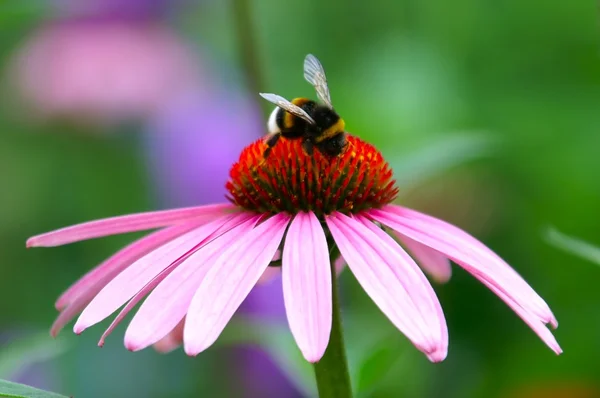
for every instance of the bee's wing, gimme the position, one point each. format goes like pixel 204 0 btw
pixel 315 75
pixel 288 106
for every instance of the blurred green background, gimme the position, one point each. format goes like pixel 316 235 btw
pixel 488 111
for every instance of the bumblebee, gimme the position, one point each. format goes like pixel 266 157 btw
pixel 317 124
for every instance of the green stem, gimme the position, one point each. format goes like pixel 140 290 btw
pixel 333 379
pixel 246 41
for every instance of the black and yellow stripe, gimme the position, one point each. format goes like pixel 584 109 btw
pixel 332 131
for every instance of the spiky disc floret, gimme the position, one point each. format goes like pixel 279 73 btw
pixel 289 180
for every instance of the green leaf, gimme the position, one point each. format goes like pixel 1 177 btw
pixel 20 353
pixel 16 390
pixel 573 245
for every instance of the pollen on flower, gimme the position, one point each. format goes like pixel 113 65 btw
pixel 290 180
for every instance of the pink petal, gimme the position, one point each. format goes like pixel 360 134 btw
pixel 172 340
pixel 228 283
pixel 132 279
pixel 306 280
pixel 412 271
pixel 277 255
pixel 432 262
pixel 339 264
pixel 467 252
pixel 169 302
pixel 80 294
pixel 128 223
pixel 393 281
pixel 98 277
pixel 158 331
pixel 531 320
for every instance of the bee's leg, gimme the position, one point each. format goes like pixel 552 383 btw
pixel 271 142
pixel 308 146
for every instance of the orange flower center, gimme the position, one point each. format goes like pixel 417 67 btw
pixel 289 180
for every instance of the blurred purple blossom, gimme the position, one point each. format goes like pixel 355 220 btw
pixel 193 141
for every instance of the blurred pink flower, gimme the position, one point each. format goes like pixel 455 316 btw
pixel 208 258
pixel 103 69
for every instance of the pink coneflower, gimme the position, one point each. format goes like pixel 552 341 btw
pixel 199 267
pixel 102 69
